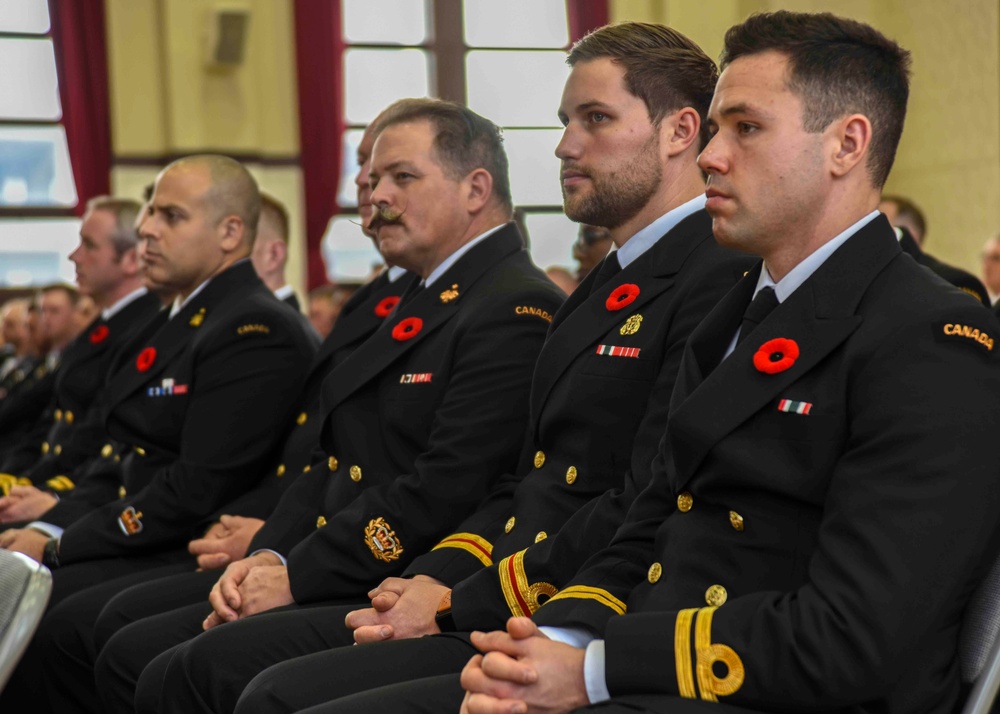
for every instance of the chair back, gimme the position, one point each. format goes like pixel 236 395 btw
pixel 24 592
pixel 979 646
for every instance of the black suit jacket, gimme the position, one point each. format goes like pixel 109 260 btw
pixel 956 276
pixel 77 434
pixel 417 429
pixel 596 422
pixel 814 533
pixel 23 419
pixel 359 318
pixel 201 404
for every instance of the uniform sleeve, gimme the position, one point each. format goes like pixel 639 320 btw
pixel 909 521
pixel 238 407
pixel 475 437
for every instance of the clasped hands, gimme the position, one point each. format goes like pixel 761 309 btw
pixel 520 672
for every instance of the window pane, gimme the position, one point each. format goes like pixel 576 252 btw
pixel 348 253
pixel 374 79
pixel 489 23
pixel 402 22
pixel 516 88
pixel 28 88
pixel 347 195
pixel 51 241
pixel 24 16
pixel 34 167
pixel 552 236
pixel 534 168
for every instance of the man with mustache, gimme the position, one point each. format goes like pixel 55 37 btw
pixel 421 419
pixel 811 534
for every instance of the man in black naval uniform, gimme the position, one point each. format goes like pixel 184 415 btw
pixel 108 271
pixel 222 357
pixel 813 532
pixel 598 412
pixel 71 638
pixel 420 420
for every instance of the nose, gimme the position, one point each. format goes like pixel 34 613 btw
pixel 569 145
pixel 73 257
pixel 381 194
pixel 711 160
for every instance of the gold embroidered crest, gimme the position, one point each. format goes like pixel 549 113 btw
pixel 382 540
pixel 631 325
pixel 449 294
pixel 197 318
pixel 130 521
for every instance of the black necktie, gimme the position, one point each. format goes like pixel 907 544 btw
pixel 609 269
pixel 758 309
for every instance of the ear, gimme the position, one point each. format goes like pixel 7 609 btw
pixel 679 131
pixel 478 189
pixel 233 233
pixel 851 137
pixel 130 262
pixel 277 253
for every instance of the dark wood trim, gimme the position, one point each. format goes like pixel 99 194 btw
pixel 37 212
pixel 448 57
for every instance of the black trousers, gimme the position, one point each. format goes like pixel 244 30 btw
pixel 420 676
pixel 208 673
pixel 55 674
pixel 124 651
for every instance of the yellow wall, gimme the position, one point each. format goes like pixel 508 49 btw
pixel 949 157
pixel 166 101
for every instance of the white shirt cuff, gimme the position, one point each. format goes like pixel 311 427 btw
pixel 573 636
pixel 593 673
pixel 47 528
pixel 283 559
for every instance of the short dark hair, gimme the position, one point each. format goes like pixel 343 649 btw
pixel 837 67
pixel 908 209
pixel 464 140
pixel 72 294
pixel 664 68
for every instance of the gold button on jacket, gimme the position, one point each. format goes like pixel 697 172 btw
pixel 320 522
pixel 655 571
pixel 510 525
pixel 684 502
pixel 571 475
pixel 539 459
pixel 736 520
pixel 355 473
pixel 716 595
pixel 332 463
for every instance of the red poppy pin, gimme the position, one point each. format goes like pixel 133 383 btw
pixel 386 305
pixel 145 359
pixel 622 296
pixel 99 334
pixel 776 355
pixel 407 329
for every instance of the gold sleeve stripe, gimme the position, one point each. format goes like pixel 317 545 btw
pixel 481 548
pixel 711 686
pixel 60 483
pixel 523 598
pixel 682 653
pixel 585 592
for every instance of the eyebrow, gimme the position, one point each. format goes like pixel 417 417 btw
pixel 401 163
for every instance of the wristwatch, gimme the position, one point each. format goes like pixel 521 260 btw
pixel 443 618
pixel 50 556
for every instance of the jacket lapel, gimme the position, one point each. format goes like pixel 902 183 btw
pixel 175 335
pixel 818 316
pixel 579 326
pixel 433 306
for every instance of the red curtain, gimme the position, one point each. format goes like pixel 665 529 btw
pixel 78 37
pixel 584 16
pixel 319 50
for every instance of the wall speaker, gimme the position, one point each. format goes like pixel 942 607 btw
pixel 227 32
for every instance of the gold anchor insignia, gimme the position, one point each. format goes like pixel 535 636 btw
pixel 197 318
pixel 450 294
pixel 631 325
